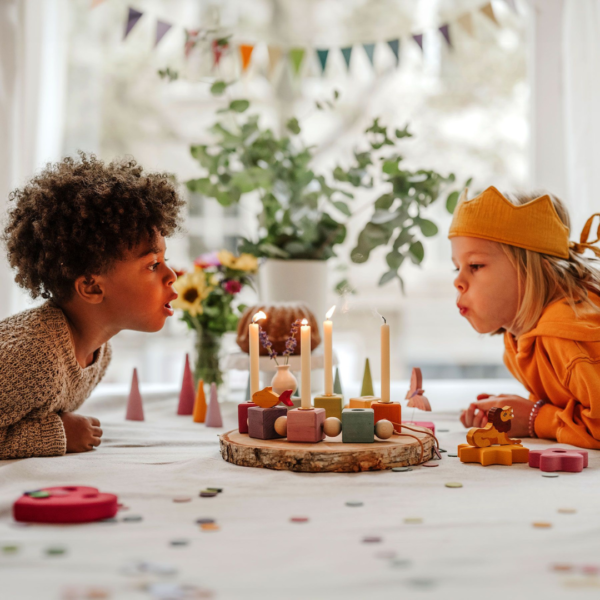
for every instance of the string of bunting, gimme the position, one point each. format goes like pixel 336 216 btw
pixel 296 55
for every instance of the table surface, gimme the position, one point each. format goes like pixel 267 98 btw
pixel 474 541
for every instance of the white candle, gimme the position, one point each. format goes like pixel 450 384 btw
pixel 254 353
pixel 305 398
pixel 385 362
pixel 328 332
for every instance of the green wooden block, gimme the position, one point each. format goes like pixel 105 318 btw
pixel 367 384
pixel 358 425
pixel 333 405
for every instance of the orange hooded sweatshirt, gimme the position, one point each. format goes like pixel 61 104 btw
pixel 559 361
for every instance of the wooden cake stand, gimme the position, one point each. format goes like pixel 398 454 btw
pixel 328 456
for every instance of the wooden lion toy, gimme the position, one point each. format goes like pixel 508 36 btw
pixel 496 430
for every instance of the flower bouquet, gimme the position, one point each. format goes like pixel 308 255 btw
pixel 207 301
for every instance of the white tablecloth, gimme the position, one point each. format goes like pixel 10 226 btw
pixel 477 541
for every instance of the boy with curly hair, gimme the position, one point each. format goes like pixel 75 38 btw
pixel 88 237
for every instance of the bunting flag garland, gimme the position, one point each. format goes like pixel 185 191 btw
pixel 218 49
pixel 347 54
pixel 322 55
pixel 245 53
pixel 296 58
pixel 466 22
pixel 275 53
pixel 191 39
pixel 395 47
pixel 370 50
pixel 445 31
pixel 132 18
pixel 419 39
pixel 488 11
pixel 161 28
pixel 513 5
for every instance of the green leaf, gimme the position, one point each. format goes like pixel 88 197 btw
pixel 416 252
pixel 386 277
pixel 296 249
pixel 342 207
pixel 383 216
pixel 402 133
pixel 451 202
pixel 336 94
pixel 239 106
pixel 293 126
pixel 390 167
pixel 384 202
pixel 218 88
pixel 394 260
pixel 428 228
pixel 201 186
pixel 272 251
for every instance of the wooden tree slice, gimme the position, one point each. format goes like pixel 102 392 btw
pixel 329 456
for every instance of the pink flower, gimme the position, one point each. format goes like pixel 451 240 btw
pixel 209 259
pixel 232 287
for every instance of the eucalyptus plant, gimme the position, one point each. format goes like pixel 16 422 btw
pixel 304 212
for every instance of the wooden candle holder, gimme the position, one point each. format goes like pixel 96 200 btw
pixel 363 401
pixel 358 426
pixel 305 425
pixel 390 411
pixel 261 421
pixel 333 405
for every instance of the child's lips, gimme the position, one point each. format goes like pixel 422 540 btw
pixel 462 309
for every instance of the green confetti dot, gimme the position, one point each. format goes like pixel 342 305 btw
pixel 401 469
pixel 354 503
pixel 453 484
pixel 56 551
pixel 10 549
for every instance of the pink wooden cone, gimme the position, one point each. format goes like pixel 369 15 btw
pixel 135 407
pixel 187 396
pixel 213 414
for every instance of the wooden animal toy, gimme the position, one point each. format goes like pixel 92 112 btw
pixel 267 398
pixel 558 459
pixel 496 430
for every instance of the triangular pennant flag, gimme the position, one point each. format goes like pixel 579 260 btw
pixel 132 18
pixel 323 54
pixel 445 31
pixel 246 53
pixel 275 53
pixel 296 58
pixel 367 384
pixel 186 395
pixel 370 50
pixel 213 414
pixel 161 28
pixel 218 50
pixel 191 39
pixel 96 3
pixel 337 384
pixel 419 39
pixel 466 22
pixel 200 404
pixel 135 406
pixel 488 11
pixel 347 54
pixel 395 47
pixel 513 5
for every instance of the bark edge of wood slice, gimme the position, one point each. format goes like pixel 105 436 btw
pixel 328 456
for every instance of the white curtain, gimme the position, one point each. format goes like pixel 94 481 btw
pixel 33 67
pixel 581 72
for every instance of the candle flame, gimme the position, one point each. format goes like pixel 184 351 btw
pixel 330 312
pixel 259 316
pixel 304 322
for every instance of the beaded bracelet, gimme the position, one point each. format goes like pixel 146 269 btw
pixel 533 415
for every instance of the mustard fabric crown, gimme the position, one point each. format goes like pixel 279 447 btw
pixel 534 226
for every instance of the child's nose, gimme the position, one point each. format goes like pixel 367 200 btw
pixel 171 276
pixel 459 283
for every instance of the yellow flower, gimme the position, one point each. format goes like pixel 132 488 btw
pixel 192 290
pixel 243 262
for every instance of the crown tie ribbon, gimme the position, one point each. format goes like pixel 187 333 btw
pixel 583 244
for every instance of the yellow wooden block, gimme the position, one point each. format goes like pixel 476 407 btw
pixel 363 402
pixel 493 455
pixel 332 405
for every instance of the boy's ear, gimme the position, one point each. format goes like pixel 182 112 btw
pixel 90 288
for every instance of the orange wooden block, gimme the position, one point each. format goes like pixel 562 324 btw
pixel 493 455
pixel 362 402
pixel 390 411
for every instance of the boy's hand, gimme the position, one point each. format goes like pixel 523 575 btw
pixel 476 414
pixel 83 433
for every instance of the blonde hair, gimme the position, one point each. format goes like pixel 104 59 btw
pixel 543 279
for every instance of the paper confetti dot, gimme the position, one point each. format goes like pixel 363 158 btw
pixel 549 474
pixel 386 554
pixel 452 455
pixel 207 494
pixel 422 582
pixel 371 539
pixel 567 511
pixel 299 519
pixel 453 484
pixel 209 527
pixel 39 494
pixel 542 524
pixel 354 503
pixel 55 551
pixel 182 499
pixel 429 464
pixel 400 562
pixel 442 450
pixel 590 569
pixel 443 430
pixel 180 542
pixel 205 521
pixel 401 469
pixel 133 518
pixel 213 489
pixel 110 520
pixel 10 549
pixel 562 567
pixel 413 520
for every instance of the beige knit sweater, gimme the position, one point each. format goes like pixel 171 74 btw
pixel 39 379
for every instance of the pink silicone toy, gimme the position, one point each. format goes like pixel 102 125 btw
pixel 426 424
pixel 135 407
pixel 187 396
pixel 558 459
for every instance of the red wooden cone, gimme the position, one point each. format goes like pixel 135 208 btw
pixel 135 407
pixel 213 414
pixel 187 395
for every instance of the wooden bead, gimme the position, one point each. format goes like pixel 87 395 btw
pixel 384 429
pixel 281 426
pixel 332 427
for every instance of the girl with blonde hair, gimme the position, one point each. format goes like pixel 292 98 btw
pixel 518 274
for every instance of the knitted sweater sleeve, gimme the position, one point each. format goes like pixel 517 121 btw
pixel 30 385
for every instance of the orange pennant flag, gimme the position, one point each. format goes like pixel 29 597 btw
pixel 246 53
pixel 488 11
pixel 466 22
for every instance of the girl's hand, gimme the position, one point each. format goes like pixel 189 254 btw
pixel 476 414
pixel 83 433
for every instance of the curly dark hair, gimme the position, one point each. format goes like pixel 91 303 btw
pixel 78 216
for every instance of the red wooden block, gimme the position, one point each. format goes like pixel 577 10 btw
pixel 305 425
pixel 66 504
pixel 243 408
pixel 427 424
pixel 391 411
pixel 558 459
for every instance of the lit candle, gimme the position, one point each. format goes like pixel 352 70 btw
pixel 328 331
pixel 254 353
pixel 305 402
pixel 385 361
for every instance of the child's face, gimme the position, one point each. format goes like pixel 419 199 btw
pixel 486 282
pixel 137 290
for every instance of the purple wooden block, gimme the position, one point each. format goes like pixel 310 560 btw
pixel 261 421
pixel 558 459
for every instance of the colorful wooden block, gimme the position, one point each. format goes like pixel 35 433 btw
pixel 333 405
pixel 363 401
pixel 358 426
pixel 305 425
pixel 243 416
pixel 390 411
pixel 558 459
pixel 426 424
pixel 261 422
pixel 493 455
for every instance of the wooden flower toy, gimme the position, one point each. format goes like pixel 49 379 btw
pixel 267 398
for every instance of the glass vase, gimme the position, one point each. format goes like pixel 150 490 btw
pixel 207 363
